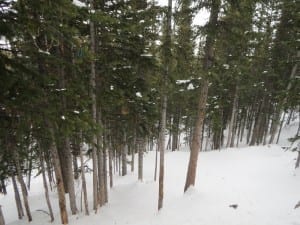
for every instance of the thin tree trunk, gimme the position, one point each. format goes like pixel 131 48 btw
pixel 155 166
pixel 175 131
pixel 232 120
pixel 280 128
pixel 49 169
pixel 86 206
pixel 94 109
pixel 124 153
pixel 275 124
pixel 3 187
pixel 59 179
pixel 289 117
pixel 29 170
pixel 75 166
pixel 110 166
pixel 70 177
pixel 46 187
pixel 105 175
pixel 298 160
pixel 17 198
pixel 161 146
pixel 133 149
pixel 140 158
pixel 207 64
pixel 161 138
pixel 22 184
pixel 2 221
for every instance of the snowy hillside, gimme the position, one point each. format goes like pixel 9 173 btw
pixel 260 181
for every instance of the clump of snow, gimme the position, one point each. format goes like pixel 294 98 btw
pixel 190 86
pixel 138 94
pixel 182 81
pixel 79 3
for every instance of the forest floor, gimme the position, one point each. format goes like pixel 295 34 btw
pixel 237 186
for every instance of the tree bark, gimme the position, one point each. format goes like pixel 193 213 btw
pixel 94 108
pixel 46 187
pixel 86 206
pixel 161 138
pixel 207 64
pixel 2 221
pixel 161 147
pixel 124 153
pixel 17 198
pixel 22 184
pixel 110 166
pixel 58 175
pixel 70 177
pixel 232 120
pixel 140 158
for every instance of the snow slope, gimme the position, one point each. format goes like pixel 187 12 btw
pixel 260 180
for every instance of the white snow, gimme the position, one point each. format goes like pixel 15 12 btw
pixel 182 81
pixel 260 180
pixel 138 94
pixel 79 3
pixel 190 86
pixel 44 52
pixel 226 66
pixel 146 55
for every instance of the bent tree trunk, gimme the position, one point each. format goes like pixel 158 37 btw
pixel 207 64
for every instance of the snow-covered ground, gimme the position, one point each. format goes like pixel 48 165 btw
pixel 261 181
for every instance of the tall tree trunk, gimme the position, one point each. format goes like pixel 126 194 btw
pixel 105 175
pixel 70 176
pixel 207 64
pixel 280 127
pixel 17 198
pixel 133 150
pixel 94 108
pixel 22 183
pixel 175 131
pixel 140 143
pixel 75 166
pixel 298 160
pixel 161 138
pixel 124 154
pixel 161 147
pixel 58 175
pixel 49 169
pixel 2 221
pixel 86 206
pixel 275 124
pixel 46 187
pixel 232 119
pixel 29 170
pixel 155 165
pixel 110 166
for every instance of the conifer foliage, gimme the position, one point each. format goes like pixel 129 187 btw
pixel 105 80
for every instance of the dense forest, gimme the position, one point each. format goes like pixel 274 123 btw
pixel 107 79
